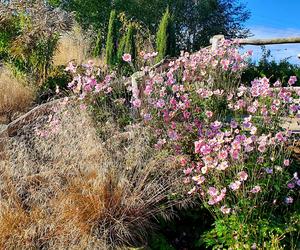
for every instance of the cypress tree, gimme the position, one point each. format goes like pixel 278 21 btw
pixel 111 41
pixel 121 48
pixel 165 38
pixel 129 47
pixel 127 44
pixel 98 45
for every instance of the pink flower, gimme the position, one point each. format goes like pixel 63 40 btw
pixel 160 103
pixel 173 135
pixel 262 148
pixel 137 103
pixel 286 162
pixel 235 185
pixel 205 149
pixel 213 191
pixel 289 200
pixel 292 80
pixel 209 114
pixel 183 162
pixel 223 154
pixel 71 67
pixel 188 171
pixel 291 185
pixel 83 107
pixel 242 176
pixel 225 64
pixel 225 210
pixel 148 90
pixel 147 117
pixel 235 154
pixel 280 137
pixel 223 165
pixel 277 84
pixel 126 58
pixel 233 124
pixel 198 145
pixel 255 190
pixel 108 90
pixel 198 179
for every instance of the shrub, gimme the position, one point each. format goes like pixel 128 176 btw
pixel 228 137
pixel 55 84
pixel 27 41
pixel 267 66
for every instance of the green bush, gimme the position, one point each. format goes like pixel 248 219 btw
pixel 28 40
pixel 57 78
pixel 267 66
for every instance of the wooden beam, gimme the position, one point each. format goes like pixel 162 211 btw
pixel 215 40
pixel 269 41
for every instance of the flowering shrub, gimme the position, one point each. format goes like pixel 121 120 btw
pixel 231 139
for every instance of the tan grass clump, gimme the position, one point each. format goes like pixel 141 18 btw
pixel 15 96
pixel 69 190
pixel 74 45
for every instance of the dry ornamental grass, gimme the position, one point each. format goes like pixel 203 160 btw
pixel 66 189
pixel 15 96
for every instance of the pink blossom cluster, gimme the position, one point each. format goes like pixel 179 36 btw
pixel 53 124
pixel 229 133
pixel 88 79
pixel 264 100
pixel 182 105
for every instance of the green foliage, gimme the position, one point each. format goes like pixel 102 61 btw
pixel 121 49
pixel 111 41
pixel 55 3
pixel 129 46
pixel 267 66
pixel 98 46
pixel 29 34
pixel 195 21
pixel 57 77
pixel 232 232
pixel 165 38
pixel 159 242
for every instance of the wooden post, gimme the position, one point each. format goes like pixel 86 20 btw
pixel 215 41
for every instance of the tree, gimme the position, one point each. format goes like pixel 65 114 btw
pixel 111 41
pixel 195 21
pixel 129 47
pixel 98 46
pixel 165 38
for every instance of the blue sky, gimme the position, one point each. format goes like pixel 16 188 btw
pixel 275 18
